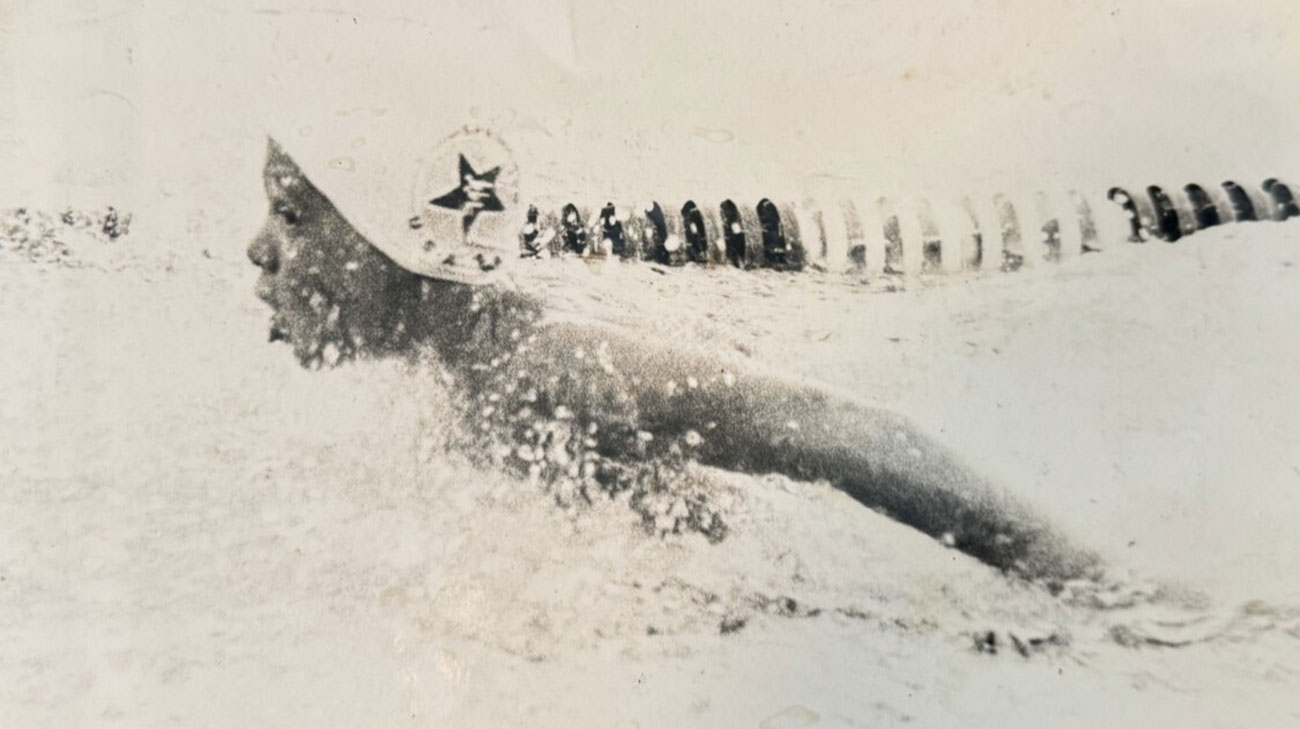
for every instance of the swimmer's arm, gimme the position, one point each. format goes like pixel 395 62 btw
pixel 757 424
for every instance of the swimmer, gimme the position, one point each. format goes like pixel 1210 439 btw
pixel 620 401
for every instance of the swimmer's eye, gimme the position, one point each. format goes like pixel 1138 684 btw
pixel 288 213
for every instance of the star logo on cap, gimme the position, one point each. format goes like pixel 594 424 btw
pixel 464 202
pixel 475 194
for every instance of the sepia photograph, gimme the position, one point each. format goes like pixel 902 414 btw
pixel 596 363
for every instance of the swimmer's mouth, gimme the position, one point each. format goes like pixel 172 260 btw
pixel 276 329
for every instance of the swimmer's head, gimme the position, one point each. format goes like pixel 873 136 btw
pixel 334 296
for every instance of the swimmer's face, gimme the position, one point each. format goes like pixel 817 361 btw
pixel 333 295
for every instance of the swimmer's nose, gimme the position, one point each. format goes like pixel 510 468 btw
pixel 263 253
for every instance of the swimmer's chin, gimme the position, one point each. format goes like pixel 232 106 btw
pixel 312 352
pixel 317 356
